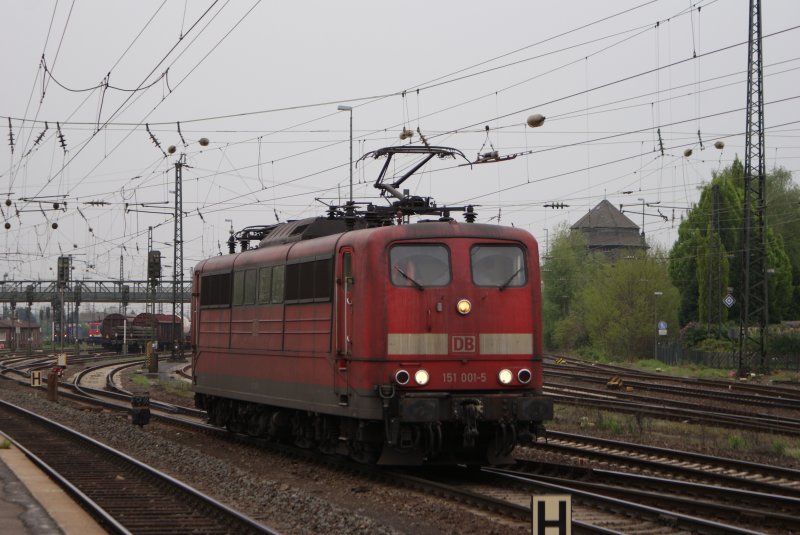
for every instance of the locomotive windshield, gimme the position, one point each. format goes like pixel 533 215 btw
pixel 498 265
pixel 420 265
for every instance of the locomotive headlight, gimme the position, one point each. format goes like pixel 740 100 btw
pixel 421 377
pixel 401 377
pixel 464 307
pixel 505 376
pixel 524 376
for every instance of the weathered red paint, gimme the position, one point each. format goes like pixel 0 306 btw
pixel 309 355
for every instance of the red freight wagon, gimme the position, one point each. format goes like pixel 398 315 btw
pixel 158 328
pixel 113 328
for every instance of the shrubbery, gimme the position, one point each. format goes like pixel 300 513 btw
pixel 784 344
pixel 698 336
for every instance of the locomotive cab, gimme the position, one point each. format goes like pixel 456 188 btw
pixel 462 356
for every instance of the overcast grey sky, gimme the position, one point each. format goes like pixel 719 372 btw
pixel 262 81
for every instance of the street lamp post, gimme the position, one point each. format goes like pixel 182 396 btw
pixel 640 199
pixel 342 107
pixel 655 323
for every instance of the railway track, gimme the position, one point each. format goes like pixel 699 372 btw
pixel 733 500
pixel 663 410
pixel 23 365
pixel 113 391
pixel 109 389
pixel 615 515
pixel 689 389
pixel 594 372
pixel 722 471
pixel 594 517
pixel 600 510
pixel 613 505
pixel 119 491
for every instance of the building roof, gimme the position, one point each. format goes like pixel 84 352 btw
pixel 606 227
pixel 604 215
pixel 8 324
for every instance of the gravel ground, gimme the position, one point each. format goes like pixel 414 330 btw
pixel 290 496
pixel 297 498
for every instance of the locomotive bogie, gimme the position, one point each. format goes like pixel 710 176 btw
pixel 468 431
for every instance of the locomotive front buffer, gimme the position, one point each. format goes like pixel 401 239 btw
pixel 442 427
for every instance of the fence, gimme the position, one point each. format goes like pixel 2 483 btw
pixel 674 355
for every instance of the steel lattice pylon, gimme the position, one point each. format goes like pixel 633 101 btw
pixel 754 311
pixel 177 269
pixel 150 306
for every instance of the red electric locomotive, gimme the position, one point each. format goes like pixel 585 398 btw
pixel 392 343
pixel 93 333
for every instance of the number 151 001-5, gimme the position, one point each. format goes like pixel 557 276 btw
pixel 464 377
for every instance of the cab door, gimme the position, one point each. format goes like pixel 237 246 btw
pixel 344 324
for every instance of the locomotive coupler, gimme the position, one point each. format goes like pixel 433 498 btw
pixel 386 392
pixel 473 410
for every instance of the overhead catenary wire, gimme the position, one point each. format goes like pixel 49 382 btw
pixel 327 170
pixel 233 168
pixel 301 153
pixel 423 86
pixel 121 106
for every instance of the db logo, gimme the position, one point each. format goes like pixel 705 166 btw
pixel 463 344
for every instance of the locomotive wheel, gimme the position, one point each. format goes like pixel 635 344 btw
pixel 303 431
pixel 259 424
pixel 499 448
pixel 363 452
pixel 328 431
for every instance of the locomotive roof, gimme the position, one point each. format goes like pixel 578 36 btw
pixel 451 229
pixel 297 236
pixel 304 229
pixel 307 229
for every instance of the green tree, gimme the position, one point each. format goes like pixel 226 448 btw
pixel 783 216
pixel 682 270
pixel 691 262
pixel 610 306
pixel 712 279
pixel 779 276
pixel 625 302
pixel 567 267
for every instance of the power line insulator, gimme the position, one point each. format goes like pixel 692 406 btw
pixel 470 215
pixel 535 120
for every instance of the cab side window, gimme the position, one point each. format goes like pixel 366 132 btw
pixel 244 287
pixel 215 290
pixel 264 285
pixel 309 280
